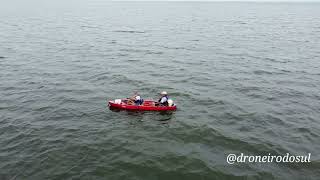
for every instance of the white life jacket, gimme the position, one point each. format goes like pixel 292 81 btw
pixel 117 101
pixel 170 102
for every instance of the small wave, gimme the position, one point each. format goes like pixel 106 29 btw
pixel 129 31
pixel 141 51
pixel 276 60
pixel 176 48
pixel 154 52
pixel 239 22
pixel 274 120
pixel 99 76
pixel 133 60
pixel 156 74
pixel 285 71
pixel 180 94
pixel 261 72
pixel 130 50
pixel 89 27
pixel 246 89
pixel 122 54
pixel 118 79
pixel 210 101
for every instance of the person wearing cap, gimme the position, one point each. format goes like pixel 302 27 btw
pixel 164 98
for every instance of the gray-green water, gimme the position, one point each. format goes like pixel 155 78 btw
pixel 245 76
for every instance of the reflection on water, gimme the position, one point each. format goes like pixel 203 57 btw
pixel 163 116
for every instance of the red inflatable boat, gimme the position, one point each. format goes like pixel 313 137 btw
pixel 148 105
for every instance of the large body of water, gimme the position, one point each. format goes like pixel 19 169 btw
pixel 245 76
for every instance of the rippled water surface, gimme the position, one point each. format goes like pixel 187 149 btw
pixel 245 76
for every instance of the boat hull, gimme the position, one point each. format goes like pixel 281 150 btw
pixel 146 106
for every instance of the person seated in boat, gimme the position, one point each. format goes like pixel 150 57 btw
pixel 135 99
pixel 163 99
